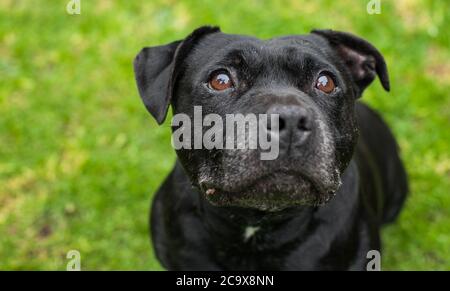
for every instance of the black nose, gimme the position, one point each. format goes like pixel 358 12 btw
pixel 294 123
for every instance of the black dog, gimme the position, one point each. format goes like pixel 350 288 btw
pixel 244 213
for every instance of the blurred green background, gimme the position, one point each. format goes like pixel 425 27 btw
pixel 80 157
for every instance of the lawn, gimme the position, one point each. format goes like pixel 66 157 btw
pixel 80 157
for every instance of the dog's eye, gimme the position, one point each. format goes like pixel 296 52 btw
pixel 325 83
pixel 220 81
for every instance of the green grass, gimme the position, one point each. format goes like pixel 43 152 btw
pixel 80 157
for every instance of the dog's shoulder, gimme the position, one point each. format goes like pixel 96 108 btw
pixel 384 179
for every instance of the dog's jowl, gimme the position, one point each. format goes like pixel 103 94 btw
pixel 337 176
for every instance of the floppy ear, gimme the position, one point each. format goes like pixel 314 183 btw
pixel 156 69
pixel 362 59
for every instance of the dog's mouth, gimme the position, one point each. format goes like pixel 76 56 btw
pixel 271 192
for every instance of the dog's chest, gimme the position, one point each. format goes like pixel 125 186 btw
pixel 252 248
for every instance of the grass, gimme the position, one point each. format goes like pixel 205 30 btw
pixel 80 157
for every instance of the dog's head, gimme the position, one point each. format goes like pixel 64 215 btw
pixel 311 82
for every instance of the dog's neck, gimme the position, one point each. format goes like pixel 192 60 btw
pixel 241 224
pixel 234 224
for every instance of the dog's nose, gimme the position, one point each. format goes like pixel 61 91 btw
pixel 294 123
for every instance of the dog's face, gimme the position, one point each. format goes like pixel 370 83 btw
pixel 311 82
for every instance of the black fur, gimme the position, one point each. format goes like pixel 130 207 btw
pixel 350 154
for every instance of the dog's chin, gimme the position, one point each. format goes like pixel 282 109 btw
pixel 273 192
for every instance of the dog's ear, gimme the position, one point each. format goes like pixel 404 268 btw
pixel 156 69
pixel 362 59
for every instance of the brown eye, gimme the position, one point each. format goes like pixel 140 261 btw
pixel 220 81
pixel 325 83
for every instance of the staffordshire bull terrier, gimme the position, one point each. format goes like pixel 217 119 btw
pixel 336 180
